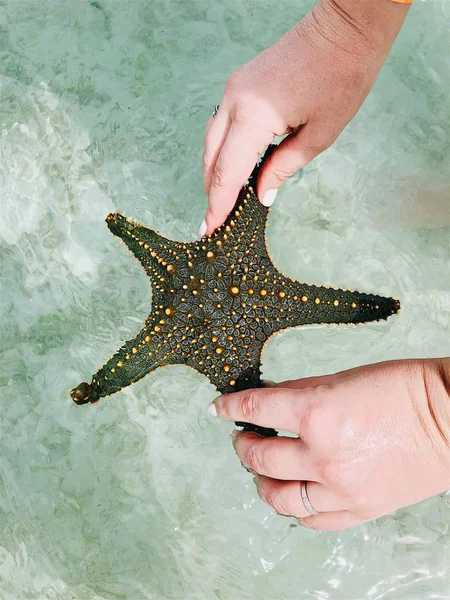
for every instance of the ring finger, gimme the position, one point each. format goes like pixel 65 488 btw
pixel 285 497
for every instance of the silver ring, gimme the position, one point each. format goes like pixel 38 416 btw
pixel 306 503
pixel 216 110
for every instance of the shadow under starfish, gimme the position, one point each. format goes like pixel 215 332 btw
pixel 217 301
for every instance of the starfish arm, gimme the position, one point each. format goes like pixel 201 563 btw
pixel 302 304
pixel 247 378
pixel 233 375
pixel 158 255
pixel 135 359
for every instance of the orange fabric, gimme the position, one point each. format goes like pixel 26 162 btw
pixel 403 1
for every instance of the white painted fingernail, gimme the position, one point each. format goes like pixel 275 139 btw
pixel 212 409
pixel 269 198
pixel 202 229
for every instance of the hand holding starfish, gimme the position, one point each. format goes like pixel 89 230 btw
pixel 309 84
pixel 370 440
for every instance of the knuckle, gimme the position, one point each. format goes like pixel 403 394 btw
pixel 213 212
pixel 255 459
pixel 219 177
pixel 206 161
pixel 261 457
pixel 233 83
pixel 310 523
pixel 332 470
pixel 316 419
pixel 318 146
pixel 241 115
pixel 281 174
pixel 336 472
pixel 248 406
pixel 273 498
pixel 326 469
pixel 306 419
pixel 322 138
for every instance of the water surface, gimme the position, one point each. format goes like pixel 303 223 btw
pixel 141 497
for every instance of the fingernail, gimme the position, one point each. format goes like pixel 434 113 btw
pixel 269 198
pixel 202 229
pixel 256 480
pixel 212 408
pixel 234 437
pixel 269 383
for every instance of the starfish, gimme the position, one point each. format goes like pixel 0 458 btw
pixel 217 301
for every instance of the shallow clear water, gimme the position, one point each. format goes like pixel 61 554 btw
pixel 141 497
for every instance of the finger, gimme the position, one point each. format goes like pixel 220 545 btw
pixel 292 154
pixel 216 132
pixel 281 457
pixel 308 382
pixel 331 521
pixel 285 496
pixel 280 408
pixel 237 158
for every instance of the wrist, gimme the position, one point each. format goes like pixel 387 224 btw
pixel 362 27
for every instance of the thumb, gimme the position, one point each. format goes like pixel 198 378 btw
pixel 293 153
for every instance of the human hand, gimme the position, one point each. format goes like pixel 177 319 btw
pixel 309 84
pixel 371 440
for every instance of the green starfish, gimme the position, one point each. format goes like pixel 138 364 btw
pixel 217 301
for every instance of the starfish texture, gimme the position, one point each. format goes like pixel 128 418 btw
pixel 217 301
